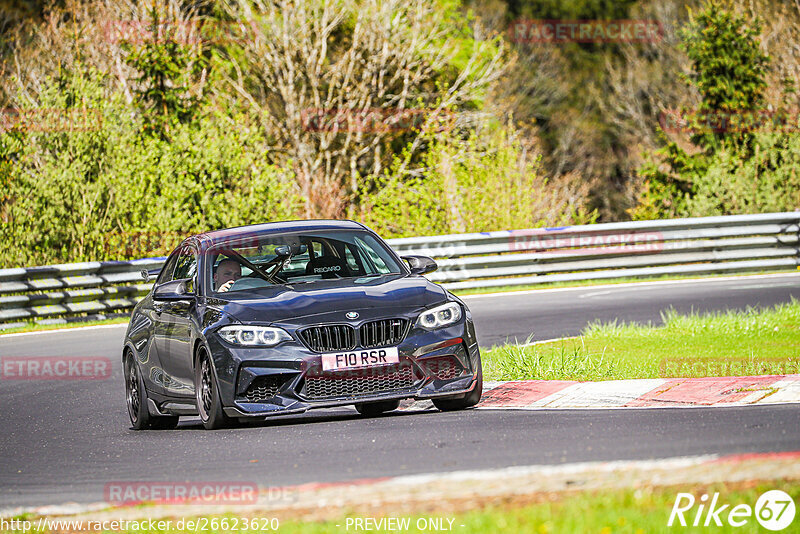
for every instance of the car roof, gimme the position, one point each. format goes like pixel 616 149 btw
pixel 280 227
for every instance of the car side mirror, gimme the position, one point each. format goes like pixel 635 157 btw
pixel 421 264
pixel 174 290
pixel 284 251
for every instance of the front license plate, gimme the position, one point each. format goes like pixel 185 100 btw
pixel 360 358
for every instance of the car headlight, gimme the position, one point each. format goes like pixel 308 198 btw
pixel 253 336
pixel 440 316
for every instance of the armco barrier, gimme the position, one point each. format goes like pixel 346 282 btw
pixel 73 289
pixel 731 244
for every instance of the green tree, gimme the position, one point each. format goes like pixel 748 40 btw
pixel 488 181
pixel 58 197
pixel 110 191
pixel 168 68
pixel 729 72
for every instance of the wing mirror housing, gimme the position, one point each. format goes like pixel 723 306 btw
pixel 174 290
pixel 420 264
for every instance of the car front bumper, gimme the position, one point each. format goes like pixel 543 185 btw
pixel 257 383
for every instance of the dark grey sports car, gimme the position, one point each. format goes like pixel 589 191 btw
pixel 280 318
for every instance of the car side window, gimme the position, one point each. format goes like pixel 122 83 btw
pixel 350 259
pixel 186 266
pixel 169 267
pixel 353 258
pixel 373 257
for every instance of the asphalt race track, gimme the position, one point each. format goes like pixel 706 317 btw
pixel 63 441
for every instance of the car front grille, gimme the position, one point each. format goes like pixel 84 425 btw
pixel 329 337
pixel 334 337
pixel 359 382
pixel 382 333
pixel 444 367
pixel 264 388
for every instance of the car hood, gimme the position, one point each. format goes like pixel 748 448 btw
pixel 291 302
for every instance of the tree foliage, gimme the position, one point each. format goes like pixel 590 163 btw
pixel 487 182
pixel 733 160
pixel 342 87
pixel 216 114
pixel 108 190
pixel 414 116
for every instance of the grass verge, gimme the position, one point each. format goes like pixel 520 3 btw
pixel 734 343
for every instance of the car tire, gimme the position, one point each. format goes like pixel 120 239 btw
pixel 209 404
pixel 136 399
pixel 468 401
pixel 372 409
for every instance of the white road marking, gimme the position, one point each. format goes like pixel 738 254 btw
pixel 551 340
pixel 607 393
pixel 62 330
pixel 571 468
pixel 492 480
pixel 762 286
pixel 788 390
pixel 594 294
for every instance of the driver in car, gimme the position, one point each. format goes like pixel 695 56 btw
pixel 228 271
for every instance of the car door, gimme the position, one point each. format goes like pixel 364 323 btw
pixel 149 358
pixel 175 328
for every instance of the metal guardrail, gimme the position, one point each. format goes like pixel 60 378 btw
pixel 73 289
pixel 704 245
pixel 731 244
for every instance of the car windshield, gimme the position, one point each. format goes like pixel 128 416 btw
pixel 251 261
